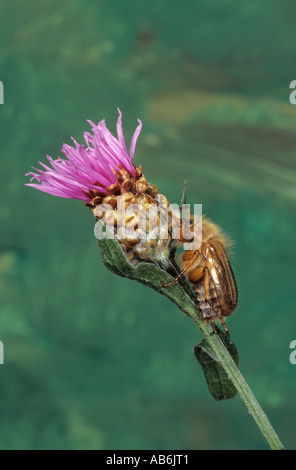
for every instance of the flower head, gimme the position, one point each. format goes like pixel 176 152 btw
pixel 88 169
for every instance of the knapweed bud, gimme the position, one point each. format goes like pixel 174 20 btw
pixel 137 215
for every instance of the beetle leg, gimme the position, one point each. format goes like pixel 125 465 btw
pixel 191 261
pixel 174 280
pixel 220 318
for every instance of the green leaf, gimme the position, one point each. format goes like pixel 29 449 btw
pixel 147 273
pixel 219 384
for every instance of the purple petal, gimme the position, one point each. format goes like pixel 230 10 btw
pixel 89 167
pixel 120 131
pixel 134 140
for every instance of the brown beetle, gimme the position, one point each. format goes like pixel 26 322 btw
pixel 210 274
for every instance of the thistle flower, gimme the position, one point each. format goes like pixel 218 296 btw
pixel 97 174
pixel 88 169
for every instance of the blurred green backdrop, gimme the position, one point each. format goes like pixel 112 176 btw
pixel 93 361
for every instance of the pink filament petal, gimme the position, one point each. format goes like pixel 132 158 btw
pixel 134 140
pixel 89 167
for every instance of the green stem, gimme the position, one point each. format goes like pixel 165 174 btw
pixel 163 271
pixel 238 381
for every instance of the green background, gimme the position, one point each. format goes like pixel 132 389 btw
pixel 94 361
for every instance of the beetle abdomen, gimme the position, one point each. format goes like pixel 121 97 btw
pixel 210 308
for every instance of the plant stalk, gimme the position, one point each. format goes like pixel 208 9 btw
pixel 238 381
